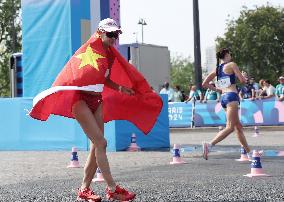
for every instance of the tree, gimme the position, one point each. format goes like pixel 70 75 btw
pixel 10 40
pixel 256 40
pixel 182 72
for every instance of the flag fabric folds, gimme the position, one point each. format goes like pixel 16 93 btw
pixel 87 70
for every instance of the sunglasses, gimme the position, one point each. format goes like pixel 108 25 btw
pixel 112 35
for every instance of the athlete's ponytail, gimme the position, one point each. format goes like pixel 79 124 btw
pixel 218 59
pixel 220 55
pixel 217 65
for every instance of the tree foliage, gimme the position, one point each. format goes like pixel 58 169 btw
pixel 10 40
pixel 182 72
pixel 256 40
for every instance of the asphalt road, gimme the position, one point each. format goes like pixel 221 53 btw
pixel 43 176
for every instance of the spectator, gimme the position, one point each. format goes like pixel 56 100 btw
pixel 268 89
pixel 168 90
pixel 261 87
pixel 194 92
pixel 177 94
pixel 245 74
pixel 211 94
pixel 255 85
pixel 279 93
pixel 247 91
pixel 184 96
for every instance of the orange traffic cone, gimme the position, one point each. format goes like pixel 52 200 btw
pixel 256 168
pixel 244 156
pixel 176 156
pixel 99 177
pixel 256 131
pixel 133 147
pixel 74 163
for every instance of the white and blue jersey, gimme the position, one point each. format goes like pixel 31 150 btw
pixel 224 81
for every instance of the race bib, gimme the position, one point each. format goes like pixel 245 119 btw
pixel 223 82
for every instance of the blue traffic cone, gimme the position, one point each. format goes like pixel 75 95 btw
pixel 244 156
pixel 256 131
pixel 256 168
pixel 176 156
pixel 99 177
pixel 74 163
pixel 133 145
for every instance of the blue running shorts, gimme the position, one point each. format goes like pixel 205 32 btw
pixel 229 97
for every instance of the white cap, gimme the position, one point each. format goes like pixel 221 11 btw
pixel 281 77
pixel 108 25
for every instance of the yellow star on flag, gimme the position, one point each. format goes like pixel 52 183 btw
pixel 89 58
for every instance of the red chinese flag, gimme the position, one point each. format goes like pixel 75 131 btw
pixel 86 71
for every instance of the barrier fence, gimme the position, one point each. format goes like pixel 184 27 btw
pixel 20 132
pixel 258 112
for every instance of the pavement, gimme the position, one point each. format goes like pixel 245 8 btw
pixel 43 176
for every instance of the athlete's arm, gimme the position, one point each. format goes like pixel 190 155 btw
pixel 237 72
pixel 109 83
pixel 209 78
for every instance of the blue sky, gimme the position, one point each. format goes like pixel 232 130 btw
pixel 170 22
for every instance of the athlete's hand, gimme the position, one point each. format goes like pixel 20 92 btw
pixel 127 90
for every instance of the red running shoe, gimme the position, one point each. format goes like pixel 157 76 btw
pixel 88 195
pixel 119 194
